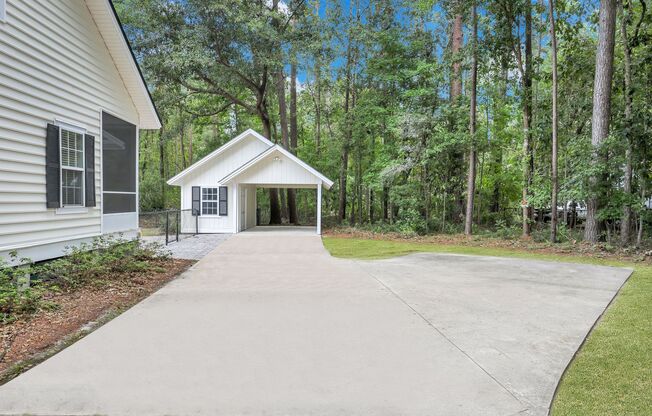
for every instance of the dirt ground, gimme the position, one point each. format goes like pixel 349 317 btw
pixel 67 312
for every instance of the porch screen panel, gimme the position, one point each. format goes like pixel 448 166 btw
pixel 118 165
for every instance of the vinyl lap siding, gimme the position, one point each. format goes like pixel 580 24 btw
pixel 53 64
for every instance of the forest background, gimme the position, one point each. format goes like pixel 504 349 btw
pixel 431 116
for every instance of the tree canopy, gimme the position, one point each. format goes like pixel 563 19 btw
pixel 381 96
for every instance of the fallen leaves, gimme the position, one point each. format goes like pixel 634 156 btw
pixel 69 311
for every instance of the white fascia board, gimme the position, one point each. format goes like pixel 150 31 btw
pixel 116 42
pixel 175 180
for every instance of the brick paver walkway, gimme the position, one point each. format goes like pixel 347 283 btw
pixel 192 247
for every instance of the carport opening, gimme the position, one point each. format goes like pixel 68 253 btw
pixel 306 206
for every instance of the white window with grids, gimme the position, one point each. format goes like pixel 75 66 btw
pixel 72 167
pixel 209 201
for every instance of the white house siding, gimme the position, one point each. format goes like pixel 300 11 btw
pixel 53 65
pixel 281 172
pixel 209 175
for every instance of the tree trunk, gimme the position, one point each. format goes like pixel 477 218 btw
pixel 497 151
pixel 274 206
pixel 161 166
pixel 385 203
pixel 457 155
pixel 470 188
pixel 318 88
pixel 344 159
pixel 555 184
pixel 285 135
pixel 282 109
pixel 292 196
pixel 478 205
pixel 456 45
pixel 626 221
pixel 528 160
pixel 358 180
pixel 190 140
pixel 639 235
pixel 601 109
pixel 266 122
pixel 181 141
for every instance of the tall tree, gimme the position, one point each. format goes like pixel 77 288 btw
pixel 601 111
pixel 348 117
pixel 283 121
pixel 553 173
pixel 457 38
pixel 470 189
pixel 457 152
pixel 318 87
pixel 629 43
pixel 294 134
pixel 528 157
pixel 512 13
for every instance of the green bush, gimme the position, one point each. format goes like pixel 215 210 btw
pixel 96 263
pixel 16 295
pixel 105 256
pixel 504 230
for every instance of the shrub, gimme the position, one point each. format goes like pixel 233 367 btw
pixel 105 257
pixel 16 295
pixel 505 231
pixel 96 263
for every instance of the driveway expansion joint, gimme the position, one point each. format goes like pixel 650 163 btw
pixel 441 333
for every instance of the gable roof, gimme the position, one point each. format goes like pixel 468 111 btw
pixel 107 21
pixel 250 132
pixel 327 183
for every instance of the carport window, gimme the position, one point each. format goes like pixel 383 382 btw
pixel 209 201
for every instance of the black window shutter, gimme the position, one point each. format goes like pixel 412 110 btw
pixel 196 201
pixel 52 168
pixel 224 200
pixel 89 150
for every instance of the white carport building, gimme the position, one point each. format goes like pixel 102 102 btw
pixel 220 189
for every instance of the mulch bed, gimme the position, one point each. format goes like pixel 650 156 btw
pixel 71 311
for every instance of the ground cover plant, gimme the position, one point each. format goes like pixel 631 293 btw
pixel 92 282
pixel 612 373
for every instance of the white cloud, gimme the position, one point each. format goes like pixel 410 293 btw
pixel 300 85
pixel 282 6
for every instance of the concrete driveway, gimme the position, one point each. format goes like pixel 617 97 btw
pixel 270 324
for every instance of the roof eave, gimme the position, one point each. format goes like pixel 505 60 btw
pixel 176 180
pixel 109 25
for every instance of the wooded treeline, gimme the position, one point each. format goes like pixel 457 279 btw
pixel 431 116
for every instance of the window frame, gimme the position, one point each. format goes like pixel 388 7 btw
pixel 78 130
pixel 216 201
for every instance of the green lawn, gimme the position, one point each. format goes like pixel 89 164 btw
pixel 612 374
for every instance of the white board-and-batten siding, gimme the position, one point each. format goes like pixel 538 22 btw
pixel 209 175
pixel 277 169
pixel 54 66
